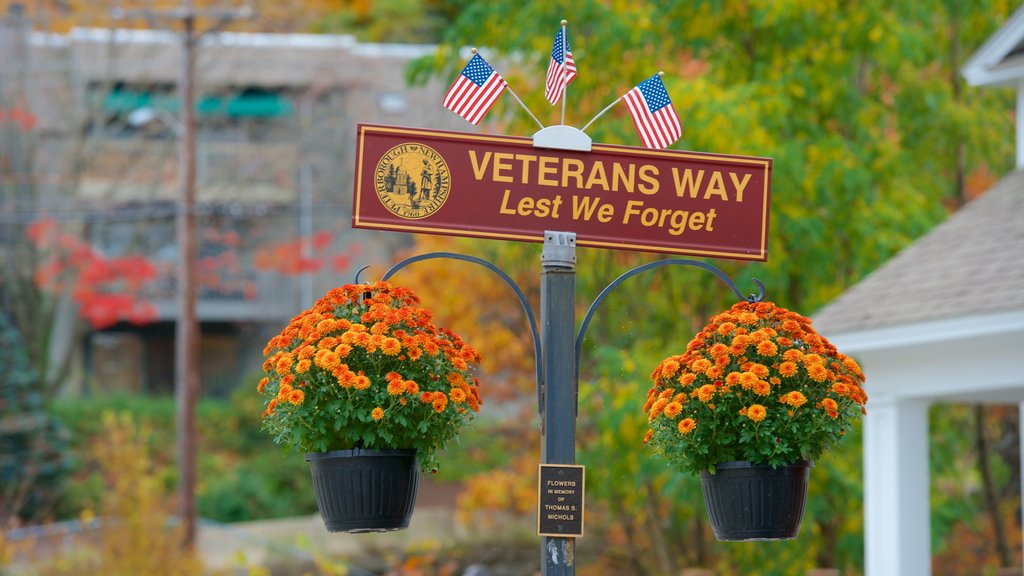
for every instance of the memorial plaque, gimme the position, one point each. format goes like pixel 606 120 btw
pixel 561 500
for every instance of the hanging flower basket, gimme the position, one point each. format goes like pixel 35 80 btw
pixel 370 390
pixel 756 396
pixel 365 490
pixel 747 501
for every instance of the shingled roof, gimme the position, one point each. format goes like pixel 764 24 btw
pixel 971 264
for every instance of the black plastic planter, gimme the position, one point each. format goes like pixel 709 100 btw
pixel 363 490
pixel 748 501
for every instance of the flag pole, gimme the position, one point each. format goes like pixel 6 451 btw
pixel 565 65
pixel 661 73
pixel 599 114
pixel 516 96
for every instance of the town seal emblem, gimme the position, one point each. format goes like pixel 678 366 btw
pixel 412 180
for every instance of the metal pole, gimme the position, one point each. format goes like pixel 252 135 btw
pixel 558 424
pixel 186 347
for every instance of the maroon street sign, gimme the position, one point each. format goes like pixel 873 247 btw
pixel 620 197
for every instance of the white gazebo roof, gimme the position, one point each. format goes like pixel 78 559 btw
pixel 970 266
pixel 1000 61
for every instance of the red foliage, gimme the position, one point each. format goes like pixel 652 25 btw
pixel 287 257
pixel 104 288
pixel 20 116
pixel 107 289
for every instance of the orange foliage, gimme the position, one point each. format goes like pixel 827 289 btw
pixel 512 489
pixel 978 182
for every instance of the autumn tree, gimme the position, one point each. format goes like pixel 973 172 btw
pixel 874 139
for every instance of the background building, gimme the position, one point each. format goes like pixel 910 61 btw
pixel 90 142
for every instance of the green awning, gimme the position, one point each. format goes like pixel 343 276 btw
pixel 239 106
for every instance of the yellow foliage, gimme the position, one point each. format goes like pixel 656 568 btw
pixel 6 549
pixel 136 535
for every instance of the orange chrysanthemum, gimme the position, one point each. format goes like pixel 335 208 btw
pixel 817 372
pixel 687 425
pixel 706 392
pixel 656 409
pixel 362 381
pixel 439 403
pixel 458 395
pixel 767 348
pixel 792 355
pixel 396 387
pixel 669 368
pixel 700 365
pixel 795 399
pixel 788 369
pixel 673 409
pixel 756 412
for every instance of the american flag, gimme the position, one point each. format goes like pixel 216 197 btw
pixel 558 76
pixel 653 114
pixel 475 90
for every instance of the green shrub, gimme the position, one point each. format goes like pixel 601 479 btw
pixel 264 486
pixel 34 449
pixel 242 474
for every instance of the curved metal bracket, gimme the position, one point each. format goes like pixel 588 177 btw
pixel 360 273
pixel 508 280
pixel 651 265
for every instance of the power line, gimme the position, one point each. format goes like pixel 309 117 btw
pixel 160 212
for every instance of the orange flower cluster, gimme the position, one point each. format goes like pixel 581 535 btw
pixel 367 366
pixel 757 383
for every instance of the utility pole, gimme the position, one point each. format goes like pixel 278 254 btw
pixel 186 336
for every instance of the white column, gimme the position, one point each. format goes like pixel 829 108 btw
pixel 897 519
pixel 1020 124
